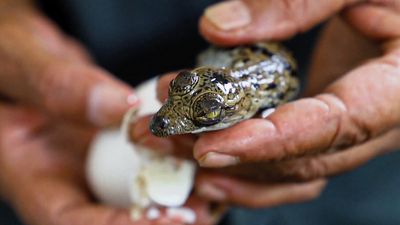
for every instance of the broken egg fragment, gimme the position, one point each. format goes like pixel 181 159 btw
pixel 166 181
pixel 126 175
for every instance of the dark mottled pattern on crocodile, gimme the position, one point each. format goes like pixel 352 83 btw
pixel 230 85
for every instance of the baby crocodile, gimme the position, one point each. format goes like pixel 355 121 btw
pixel 230 85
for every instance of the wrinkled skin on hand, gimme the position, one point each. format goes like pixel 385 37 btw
pixel 349 115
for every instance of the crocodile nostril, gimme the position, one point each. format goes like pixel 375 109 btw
pixel 161 122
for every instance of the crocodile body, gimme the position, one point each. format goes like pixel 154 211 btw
pixel 229 85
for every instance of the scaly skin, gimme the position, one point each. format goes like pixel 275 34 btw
pixel 230 85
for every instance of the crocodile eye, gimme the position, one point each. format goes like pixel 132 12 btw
pixel 208 109
pixel 183 83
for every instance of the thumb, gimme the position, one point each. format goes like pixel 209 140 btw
pixel 241 21
pixel 65 90
pixel 82 93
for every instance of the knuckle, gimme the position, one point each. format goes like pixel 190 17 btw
pixel 349 131
pixel 391 61
pixel 311 169
pixel 304 169
pixel 295 11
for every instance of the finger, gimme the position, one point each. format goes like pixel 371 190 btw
pixel 377 20
pixel 181 145
pixel 53 201
pixel 77 51
pixel 78 93
pixel 330 61
pixel 61 203
pixel 57 193
pixel 314 167
pixel 163 85
pixel 352 110
pixel 227 189
pixel 235 22
pixel 52 39
pixel 36 71
pixel 205 213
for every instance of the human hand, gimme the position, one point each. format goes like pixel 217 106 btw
pixel 49 90
pixel 42 67
pixel 42 174
pixel 352 120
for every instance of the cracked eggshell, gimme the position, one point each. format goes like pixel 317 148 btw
pixel 162 176
pixel 112 165
pixel 116 168
pixel 113 162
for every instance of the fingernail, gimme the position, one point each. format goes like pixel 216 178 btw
pixel 108 103
pixel 229 15
pixel 214 159
pixel 211 192
pixel 132 100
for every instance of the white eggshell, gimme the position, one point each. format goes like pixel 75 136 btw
pixel 185 214
pixel 153 213
pixel 124 175
pixel 167 181
pixel 112 165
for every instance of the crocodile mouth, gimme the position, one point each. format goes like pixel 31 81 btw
pixel 163 125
